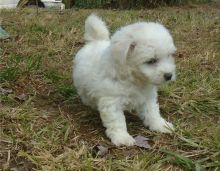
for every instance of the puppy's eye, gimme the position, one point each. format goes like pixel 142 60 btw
pixel 152 61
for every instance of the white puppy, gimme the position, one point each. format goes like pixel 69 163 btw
pixel 122 73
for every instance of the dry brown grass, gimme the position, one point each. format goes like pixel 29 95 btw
pixel 52 130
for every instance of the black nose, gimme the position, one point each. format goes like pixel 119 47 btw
pixel 167 76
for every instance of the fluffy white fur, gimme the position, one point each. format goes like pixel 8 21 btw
pixel 122 73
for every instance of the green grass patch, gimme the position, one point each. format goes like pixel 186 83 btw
pixel 18 65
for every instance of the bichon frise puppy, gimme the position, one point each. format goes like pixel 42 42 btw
pixel 123 73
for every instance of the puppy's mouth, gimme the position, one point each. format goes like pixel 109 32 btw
pixel 158 83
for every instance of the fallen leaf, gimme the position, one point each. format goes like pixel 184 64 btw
pixel 21 97
pixel 5 91
pixel 100 150
pixel 142 142
pixel 26 166
pixel 2 65
pixel 3 34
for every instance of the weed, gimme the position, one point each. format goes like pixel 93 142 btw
pixel 67 91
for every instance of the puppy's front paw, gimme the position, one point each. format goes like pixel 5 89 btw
pixel 162 126
pixel 122 138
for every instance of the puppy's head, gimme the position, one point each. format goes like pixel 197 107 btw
pixel 144 51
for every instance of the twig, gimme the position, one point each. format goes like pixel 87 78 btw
pixel 37 6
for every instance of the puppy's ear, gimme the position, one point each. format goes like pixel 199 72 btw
pixel 122 49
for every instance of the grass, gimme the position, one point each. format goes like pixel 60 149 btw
pixel 52 130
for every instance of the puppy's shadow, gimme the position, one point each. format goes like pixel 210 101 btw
pixel 86 120
pixel 89 124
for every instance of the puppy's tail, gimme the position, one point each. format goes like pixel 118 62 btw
pixel 95 29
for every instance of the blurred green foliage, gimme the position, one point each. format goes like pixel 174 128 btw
pixel 127 4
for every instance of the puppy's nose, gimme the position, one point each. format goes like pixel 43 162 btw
pixel 167 76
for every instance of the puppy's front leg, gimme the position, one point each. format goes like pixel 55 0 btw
pixel 150 114
pixel 113 119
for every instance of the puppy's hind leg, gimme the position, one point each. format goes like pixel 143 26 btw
pixel 114 120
